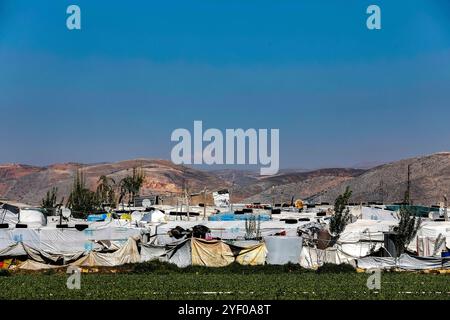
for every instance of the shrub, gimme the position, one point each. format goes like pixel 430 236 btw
pixel 158 267
pixel 341 216
pixel 4 273
pixel 336 268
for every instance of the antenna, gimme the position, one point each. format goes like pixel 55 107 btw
pixel 204 203
pixel 231 192
pixel 146 203
pixel 445 208
pixel 66 212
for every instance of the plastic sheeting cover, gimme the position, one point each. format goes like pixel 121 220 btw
pixel 283 250
pixel 211 253
pixel 405 262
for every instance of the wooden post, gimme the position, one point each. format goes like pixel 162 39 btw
pixel 231 193
pixel 186 192
pixel 273 197
pixel 204 203
pixel 445 208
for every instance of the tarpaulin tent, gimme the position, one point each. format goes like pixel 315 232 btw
pixel 211 253
pixel 432 230
pixel 178 253
pixel 370 213
pixel 55 241
pixel 199 252
pixel 227 230
pixel 312 258
pixel 218 253
pixel 405 262
pixel 252 256
pixel 35 266
pixel 126 254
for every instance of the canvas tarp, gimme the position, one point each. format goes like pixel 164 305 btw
pixel 199 252
pixel 54 241
pixel 359 249
pixel 43 256
pixel 211 253
pixel 405 262
pixel 252 256
pixel 429 246
pixel 248 254
pixel 370 213
pixel 283 250
pixel 35 266
pixel 312 258
pixel 15 249
pixel 366 230
pixel 178 253
pixel 151 252
pixel 432 230
pixel 127 254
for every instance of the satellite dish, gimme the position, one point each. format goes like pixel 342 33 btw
pixel 146 203
pixel 136 216
pixel 65 212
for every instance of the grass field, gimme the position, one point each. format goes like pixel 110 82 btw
pixel 200 283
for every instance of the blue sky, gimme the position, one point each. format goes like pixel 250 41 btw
pixel 340 93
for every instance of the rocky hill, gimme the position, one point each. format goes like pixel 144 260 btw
pixel 430 180
pixel 29 184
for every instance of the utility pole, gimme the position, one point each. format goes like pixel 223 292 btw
pixel 187 200
pixel 408 187
pixel 273 197
pixel 204 203
pixel 445 208
pixel 231 192
pixel 178 201
pixel 281 198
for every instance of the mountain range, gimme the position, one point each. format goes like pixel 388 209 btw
pixel 429 176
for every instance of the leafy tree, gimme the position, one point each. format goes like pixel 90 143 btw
pixel 406 229
pixel 105 191
pixel 131 185
pixel 82 201
pixel 49 203
pixel 341 216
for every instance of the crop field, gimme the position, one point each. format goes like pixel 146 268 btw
pixel 200 283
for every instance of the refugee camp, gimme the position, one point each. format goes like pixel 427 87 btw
pixel 97 232
pixel 170 155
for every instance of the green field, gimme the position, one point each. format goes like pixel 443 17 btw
pixel 215 284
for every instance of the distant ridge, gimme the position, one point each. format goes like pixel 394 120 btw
pixel 430 180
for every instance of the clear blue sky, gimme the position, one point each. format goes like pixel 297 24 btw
pixel 137 70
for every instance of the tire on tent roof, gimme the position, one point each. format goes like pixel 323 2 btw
pixel 321 214
pixel 81 227
pixel 290 221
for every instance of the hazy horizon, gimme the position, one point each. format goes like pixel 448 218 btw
pixel 340 94
pixel 249 168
